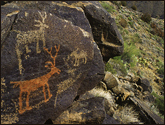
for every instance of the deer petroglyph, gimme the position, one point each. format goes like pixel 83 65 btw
pixel 25 38
pixel 29 86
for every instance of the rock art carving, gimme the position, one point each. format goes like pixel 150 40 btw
pixel 79 55
pixel 32 85
pixel 24 38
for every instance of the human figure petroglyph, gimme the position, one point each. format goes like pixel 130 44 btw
pixel 25 38
pixel 29 86
pixel 79 55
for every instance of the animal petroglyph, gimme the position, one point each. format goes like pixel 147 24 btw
pixel 29 86
pixel 79 55
pixel 25 38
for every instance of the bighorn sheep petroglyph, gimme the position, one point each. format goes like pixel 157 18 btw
pixel 79 55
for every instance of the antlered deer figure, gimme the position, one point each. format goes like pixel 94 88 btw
pixel 31 85
pixel 24 38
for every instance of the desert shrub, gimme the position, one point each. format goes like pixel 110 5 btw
pixel 160 65
pixel 146 17
pixel 154 108
pixel 116 65
pixel 129 18
pixel 134 7
pixel 99 92
pixel 109 67
pixel 123 3
pixel 156 31
pixel 123 22
pixel 137 38
pixel 127 114
pixel 153 25
pixel 117 3
pixel 129 52
pixel 131 23
pixel 159 102
pixel 126 31
pixel 107 7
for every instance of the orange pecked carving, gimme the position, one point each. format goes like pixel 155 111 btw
pixel 33 84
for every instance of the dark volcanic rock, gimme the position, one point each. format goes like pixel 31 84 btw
pixel 145 84
pixel 148 116
pixel 46 61
pixel 90 111
pixel 104 28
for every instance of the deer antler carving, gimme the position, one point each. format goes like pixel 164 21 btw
pixel 43 17
pixel 53 57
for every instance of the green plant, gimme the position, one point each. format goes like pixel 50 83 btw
pixel 129 18
pixel 160 65
pixel 130 54
pixel 117 3
pixel 134 7
pixel 109 67
pixel 107 7
pixel 137 38
pixel 156 31
pixel 146 17
pixel 126 31
pixel 131 23
pixel 123 3
pixel 123 22
pixel 116 65
pixel 159 102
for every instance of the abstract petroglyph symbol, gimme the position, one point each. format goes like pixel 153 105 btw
pixel 79 55
pixel 24 38
pixel 29 86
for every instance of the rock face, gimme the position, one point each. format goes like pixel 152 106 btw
pixel 48 57
pixel 94 112
pixel 146 114
pixel 104 28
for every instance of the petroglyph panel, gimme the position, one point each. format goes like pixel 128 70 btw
pixel 43 72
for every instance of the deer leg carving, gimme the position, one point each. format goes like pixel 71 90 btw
pixel 27 49
pixel 37 47
pixel 44 92
pixel 27 102
pixel 50 95
pixel 20 103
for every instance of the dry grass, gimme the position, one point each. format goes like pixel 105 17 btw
pixel 127 115
pixel 98 92
pixel 154 108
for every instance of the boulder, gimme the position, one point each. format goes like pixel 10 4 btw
pixel 104 28
pixel 110 80
pixel 47 58
pixel 90 111
pixel 148 97
pixel 121 93
pixel 102 85
pixel 145 113
pixel 110 120
pixel 145 84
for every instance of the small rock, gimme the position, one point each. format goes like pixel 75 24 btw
pixel 110 80
pixel 145 84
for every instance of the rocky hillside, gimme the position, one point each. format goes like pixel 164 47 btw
pixel 155 8
pixel 143 51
